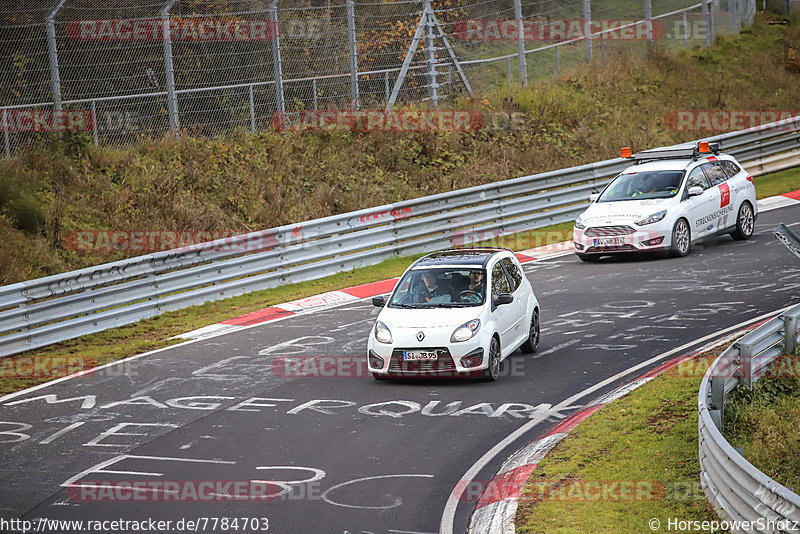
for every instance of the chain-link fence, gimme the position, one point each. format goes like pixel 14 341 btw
pixel 120 70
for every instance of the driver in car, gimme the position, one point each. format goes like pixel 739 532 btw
pixel 475 282
pixel 431 287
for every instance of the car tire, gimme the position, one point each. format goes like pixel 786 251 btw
pixel 534 333
pixel 492 372
pixel 681 239
pixel 591 258
pixel 745 223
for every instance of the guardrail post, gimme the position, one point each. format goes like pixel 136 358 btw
pixel 648 18
pixel 276 57
pixel 5 133
pixel 52 55
pixel 351 37
pixel 706 21
pixel 172 98
pixel 789 334
pixel 733 15
pixel 523 66
pixel 685 29
pixel 746 357
pixel 587 28
pixel 558 61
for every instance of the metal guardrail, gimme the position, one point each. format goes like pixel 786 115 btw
pixel 47 310
pixel 736 489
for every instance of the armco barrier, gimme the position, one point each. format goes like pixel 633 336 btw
pixel 734 487
pixel 64 306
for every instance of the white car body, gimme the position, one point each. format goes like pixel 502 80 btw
pixel 609 227
pixel 424 331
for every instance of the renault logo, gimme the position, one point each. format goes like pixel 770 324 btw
pixel 420 336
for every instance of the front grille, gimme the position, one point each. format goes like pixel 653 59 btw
pixel 443 364
pixel 621 248
pixel 606 231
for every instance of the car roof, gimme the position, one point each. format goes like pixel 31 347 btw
pixel 462 256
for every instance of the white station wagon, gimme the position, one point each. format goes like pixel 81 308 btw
pixel 454 313
pixel 668 198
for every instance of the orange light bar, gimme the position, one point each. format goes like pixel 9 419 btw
pixel 625 152
pixel 703 147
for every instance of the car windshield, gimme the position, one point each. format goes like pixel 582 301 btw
pixel 643 185
pixel 440 288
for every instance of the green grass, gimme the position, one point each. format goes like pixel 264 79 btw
pixel 777 183
pixel 765 422
pixel 647 440
pixel 245 182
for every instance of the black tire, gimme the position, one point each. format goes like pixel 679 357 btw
pixel 591 258
pixel 745 223
pixel 681 239
pixel 492 372
pixel 534 334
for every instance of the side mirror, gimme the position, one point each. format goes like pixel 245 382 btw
pixel 594 196
pixel 379 301
pixel 695 190
pixel 504 298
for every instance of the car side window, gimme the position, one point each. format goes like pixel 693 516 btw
pixel 513 272
pixel 731 169
pixel 715 173
pixel 499 280
pixel 697 178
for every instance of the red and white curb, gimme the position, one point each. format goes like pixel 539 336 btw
pixel 496 507
pixel 373 289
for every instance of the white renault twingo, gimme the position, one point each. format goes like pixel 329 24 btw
pixel 669 198
pixel 440 320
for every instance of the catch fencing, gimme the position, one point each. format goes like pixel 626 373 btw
pixel 47 310
pixel 118 71
pixel 736 489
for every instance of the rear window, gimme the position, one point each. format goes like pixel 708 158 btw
pixel 731 169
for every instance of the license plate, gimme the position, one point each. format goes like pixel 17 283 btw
pixel 419 355
pixel 609 242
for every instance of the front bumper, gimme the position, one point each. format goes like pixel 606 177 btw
pixel 613 240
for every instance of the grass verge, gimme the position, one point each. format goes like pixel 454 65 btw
pixel 645 442
pixel 777 183
pixel 764 421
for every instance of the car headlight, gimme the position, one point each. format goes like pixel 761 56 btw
pixel 579 224
pixel 466 331
pixel 654 218
pixel 382 333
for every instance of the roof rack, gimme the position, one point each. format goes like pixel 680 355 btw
pixel 697 151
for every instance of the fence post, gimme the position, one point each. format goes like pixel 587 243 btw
pixel 314 90
pixel 789 334
pixel 587 28
pixel 94 120
pixel 648 18
pixel 685 29
pixel 523 67
pixel 351 37
pixel 733 15
pixel 252 110
pixel 172 98
pixel 786 6
pixel 276 57
pixel 508 71
pixel 706 21
pixel 5 133
pixel 558 61
pixel 52 55
pixel 386 84
pixel 430 56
